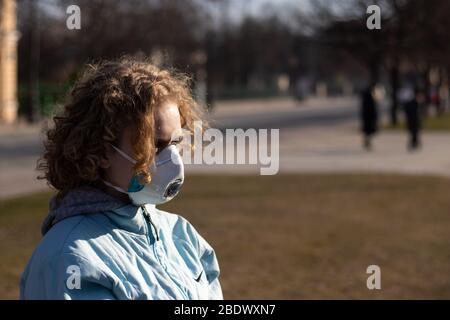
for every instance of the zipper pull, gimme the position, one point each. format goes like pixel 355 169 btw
pixel 149 220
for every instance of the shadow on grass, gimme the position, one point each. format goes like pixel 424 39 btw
pixel 293 236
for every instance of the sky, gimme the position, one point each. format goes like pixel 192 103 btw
pixel 237 8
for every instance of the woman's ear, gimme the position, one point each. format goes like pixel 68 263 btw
pixel 105 161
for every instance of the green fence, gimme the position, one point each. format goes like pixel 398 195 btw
pixel 50 94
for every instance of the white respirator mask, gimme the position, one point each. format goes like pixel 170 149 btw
pixel 167 177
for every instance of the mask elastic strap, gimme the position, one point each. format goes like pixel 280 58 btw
pixel 159 163
pixel 114 187
pixel 123 154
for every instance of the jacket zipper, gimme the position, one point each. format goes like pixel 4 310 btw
pixel 150 224
pixel 150 221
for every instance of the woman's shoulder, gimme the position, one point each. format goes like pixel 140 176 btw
pixel 70 236
pixel 64 251
pixel 74 240
pixel 54 241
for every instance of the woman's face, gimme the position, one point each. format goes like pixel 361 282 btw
pixel 119 170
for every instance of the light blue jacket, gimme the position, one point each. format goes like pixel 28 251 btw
pixel 124 252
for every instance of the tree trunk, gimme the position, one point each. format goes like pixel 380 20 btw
pixel 33 107
pixel 394 78
pixel 426 89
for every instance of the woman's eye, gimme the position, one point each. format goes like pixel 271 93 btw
pixel 178 141
pixel 161 144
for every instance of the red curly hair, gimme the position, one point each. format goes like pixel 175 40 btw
pixel 107 98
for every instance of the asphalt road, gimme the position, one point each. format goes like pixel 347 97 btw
pixel 294 118
pixel 18 146
pixel 20 149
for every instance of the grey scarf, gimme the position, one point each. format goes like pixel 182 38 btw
pixel 79 201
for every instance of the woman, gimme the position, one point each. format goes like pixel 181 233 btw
pixel 111 155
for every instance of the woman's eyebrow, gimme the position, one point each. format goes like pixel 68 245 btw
pixel 163 142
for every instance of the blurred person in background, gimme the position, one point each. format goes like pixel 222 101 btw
pixel 413 111
pixel 369 115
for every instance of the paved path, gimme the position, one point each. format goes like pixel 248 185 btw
pixel 19 150
pixel 320 136
pixel 339 149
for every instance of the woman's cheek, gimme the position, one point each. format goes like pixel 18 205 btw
pixel 121 173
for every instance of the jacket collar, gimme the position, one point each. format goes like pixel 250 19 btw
pixel 132 218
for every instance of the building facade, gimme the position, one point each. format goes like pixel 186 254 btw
pixel 8 61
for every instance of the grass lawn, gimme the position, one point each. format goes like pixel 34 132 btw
pixel 432 123
pixel 294 236
pixel 438 123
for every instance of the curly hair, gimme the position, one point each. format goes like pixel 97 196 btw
pixel 107 98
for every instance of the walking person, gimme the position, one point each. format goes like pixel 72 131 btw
pixel 413 116
pixel 369 116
